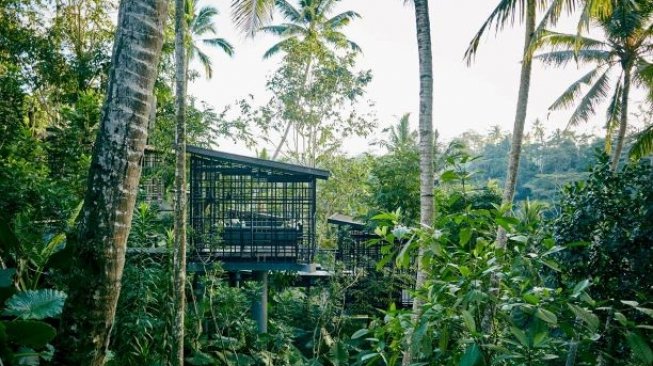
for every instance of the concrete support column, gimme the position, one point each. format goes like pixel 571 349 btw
pixel 260 304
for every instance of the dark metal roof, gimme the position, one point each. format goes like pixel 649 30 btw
pixel 340 219
pixel 261 163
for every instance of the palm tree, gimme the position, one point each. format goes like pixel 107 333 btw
pixel 179 253
pixel 310 24
pixel 200 24
pixel 98 249
pixel 620 60
pixel 423 31
pixel 503 14
pixel 400 135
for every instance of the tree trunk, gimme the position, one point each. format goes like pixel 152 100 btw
pixel 623 122
pixel 289 124
pixel 179 253
pixel 98 249
pixel 423 30
pixel 520 120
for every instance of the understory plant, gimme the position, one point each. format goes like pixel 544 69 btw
pixel 484 306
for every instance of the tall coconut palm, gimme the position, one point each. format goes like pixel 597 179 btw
pixel 200 24
pixel 621 61
pixel 98 249
pixel 504 14
pixel 311 23
pixel 179 252
pixel 423 31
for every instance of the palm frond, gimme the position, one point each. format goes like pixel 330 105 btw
pixel 644 78
pixel 643 145
pixel 503 14
pixel 354 46
pixel 555 11
pixel 587 106
pixel 205 60
pixel 276 48
pixel 325 6
pixel 285 30
pixel 203 19
pixel 562 41
pixel 342 19
pixel 221 43
pixel 250 15
pixel 613 115
pixel 569 96
pixel 288 11
pixel 561 58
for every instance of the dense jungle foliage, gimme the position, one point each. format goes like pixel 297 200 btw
pixel 574 286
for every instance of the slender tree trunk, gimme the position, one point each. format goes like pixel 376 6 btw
pixel 98 249
pixel 520 120
pixel 423 30
pixel 289 124
pixel 623 122
pixel 179 251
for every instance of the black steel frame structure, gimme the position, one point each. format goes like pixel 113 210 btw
pixel 250 210
pixel 355 251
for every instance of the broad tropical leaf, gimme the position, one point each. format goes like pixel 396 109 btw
pixel 7 277
pixel 30 333
pixel 35 304
pixel 640 348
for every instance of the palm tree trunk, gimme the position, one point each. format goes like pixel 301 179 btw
pixel 623 123
pixel 289 123
pixel 423 30
pixel 520 120
pixel 98 249
pixel 179 254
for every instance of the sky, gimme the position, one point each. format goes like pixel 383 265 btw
pixel 466 98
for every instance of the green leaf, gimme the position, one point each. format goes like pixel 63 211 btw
pixel 7 277
pixel 35 304
pixel 30 333
pixel 646 311
pixel 339 354
pixel 640 348
pixel 472 356
pixel 506 222
pixel 546 315
pixel 448 176
pixel 520 335
pixel 519 238
pixel 580 287
pixel 465 235
pixel 621 318
pixel 630 303
pixel 586 316
pixel 531 299
pixel 470 323
pixel 551 264
pixel 359 333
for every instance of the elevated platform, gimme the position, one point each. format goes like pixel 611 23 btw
pixel 200 261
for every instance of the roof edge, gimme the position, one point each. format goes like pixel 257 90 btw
pixel 292 168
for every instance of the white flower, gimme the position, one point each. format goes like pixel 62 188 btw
pixel 437 234
pixel 400 231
